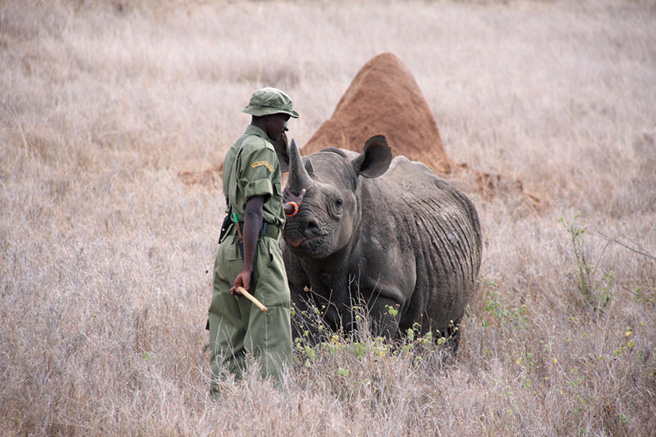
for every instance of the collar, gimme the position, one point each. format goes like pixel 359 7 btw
pixel 254 130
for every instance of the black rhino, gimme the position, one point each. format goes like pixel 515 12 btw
pixel 381 233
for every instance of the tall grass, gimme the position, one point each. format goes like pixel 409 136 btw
pixel 106 254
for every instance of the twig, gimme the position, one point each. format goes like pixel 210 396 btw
pixel 615 240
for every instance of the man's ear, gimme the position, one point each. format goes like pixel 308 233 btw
pixel 281 151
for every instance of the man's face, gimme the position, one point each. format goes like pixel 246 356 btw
pixel 276 125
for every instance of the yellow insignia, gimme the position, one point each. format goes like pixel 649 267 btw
pixel 261 163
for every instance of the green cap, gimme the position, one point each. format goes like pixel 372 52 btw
pixel 268 101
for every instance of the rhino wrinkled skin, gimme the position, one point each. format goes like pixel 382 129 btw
pixel 378 233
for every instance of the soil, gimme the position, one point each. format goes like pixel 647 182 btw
pixel 384 98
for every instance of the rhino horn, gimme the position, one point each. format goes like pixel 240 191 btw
pixel 299 177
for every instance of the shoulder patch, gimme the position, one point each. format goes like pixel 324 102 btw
pixel 261 163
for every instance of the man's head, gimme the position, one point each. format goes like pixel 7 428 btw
pixel 271 109
pixel 267 101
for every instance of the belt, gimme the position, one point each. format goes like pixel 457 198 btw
pixel 268 230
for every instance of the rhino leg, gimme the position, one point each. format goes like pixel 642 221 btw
pixel 307 324
pixel 385 317
pixel 452 336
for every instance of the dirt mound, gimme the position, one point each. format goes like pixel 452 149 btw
pixel 384 98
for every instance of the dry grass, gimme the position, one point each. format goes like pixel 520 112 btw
pixel 105 252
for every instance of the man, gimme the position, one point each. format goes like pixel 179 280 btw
pixel 249 254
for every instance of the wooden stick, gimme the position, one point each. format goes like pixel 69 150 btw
pixel 252 298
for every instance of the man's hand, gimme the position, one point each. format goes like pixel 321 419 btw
pixel 288 196
pixel 243 279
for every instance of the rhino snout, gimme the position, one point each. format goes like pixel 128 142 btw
pixel 308 228
pixel 298 231
pixel 312 227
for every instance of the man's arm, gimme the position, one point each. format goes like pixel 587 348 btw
pixel 251 231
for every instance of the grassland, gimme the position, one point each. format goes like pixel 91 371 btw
pixel 106 254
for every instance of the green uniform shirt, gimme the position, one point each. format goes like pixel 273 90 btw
pixel 252 169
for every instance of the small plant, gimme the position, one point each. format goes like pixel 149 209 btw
pixel 307 353
pixel 393 311
pixel 343 372
pixel 645 295
pixel 584 270
pixel 149 357
pixel 595 293
pixel 496 308
pixel 628 332
pixel 502 312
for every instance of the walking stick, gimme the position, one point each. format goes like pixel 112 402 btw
pixel 252 298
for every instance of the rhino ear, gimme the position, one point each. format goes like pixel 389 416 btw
pixel 309 167
pixel 375 159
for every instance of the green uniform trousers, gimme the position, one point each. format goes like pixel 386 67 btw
pixel 238 327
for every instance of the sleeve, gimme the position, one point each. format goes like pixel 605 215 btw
pixel 257 169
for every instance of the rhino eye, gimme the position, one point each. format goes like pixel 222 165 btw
pixel 337 206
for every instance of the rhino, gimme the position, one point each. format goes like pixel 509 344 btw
pixel 381 234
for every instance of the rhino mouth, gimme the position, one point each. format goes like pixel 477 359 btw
pixel 297 243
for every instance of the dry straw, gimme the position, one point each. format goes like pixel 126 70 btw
pixel 106 254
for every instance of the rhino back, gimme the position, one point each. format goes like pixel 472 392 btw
pixel 435 228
